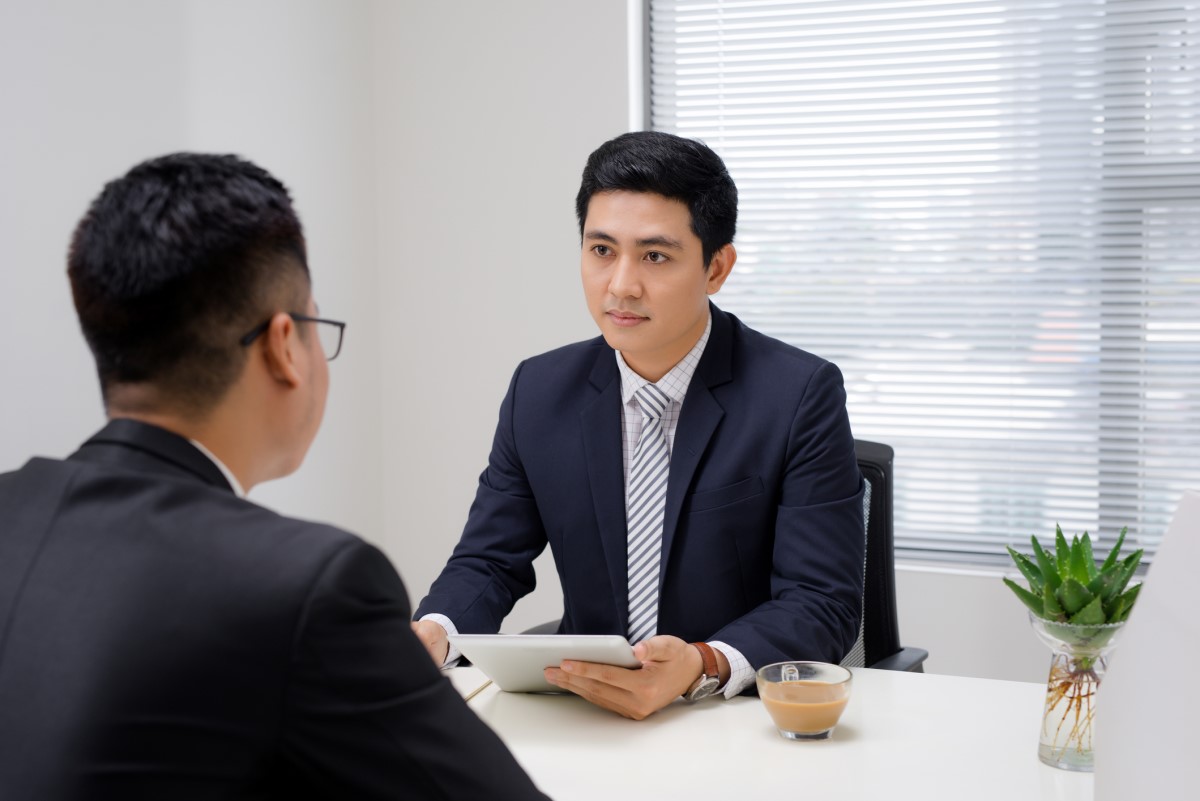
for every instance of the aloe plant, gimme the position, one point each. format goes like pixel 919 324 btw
pixel 1068 587
pixel 1077 607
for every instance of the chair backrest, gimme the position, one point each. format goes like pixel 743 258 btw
pixel 880 628
pixel 878 644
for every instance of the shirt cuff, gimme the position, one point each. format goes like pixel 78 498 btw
pixel 453 654
pixel 741 673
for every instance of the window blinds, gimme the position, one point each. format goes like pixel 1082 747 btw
pixel 987 214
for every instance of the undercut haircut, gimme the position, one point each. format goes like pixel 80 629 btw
pixel 674 167
pixel 173 263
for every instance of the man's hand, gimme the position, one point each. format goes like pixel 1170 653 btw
pixel 433 637
pixel 669 666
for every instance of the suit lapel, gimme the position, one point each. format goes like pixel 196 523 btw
pixel 698 421
pixel 601 424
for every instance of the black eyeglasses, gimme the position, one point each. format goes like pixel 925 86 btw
pixel 330 332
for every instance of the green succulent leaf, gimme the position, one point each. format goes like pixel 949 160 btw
pixel 1052 610
pixel 1029 570
pixel 1114 609
pixel 1101 584
pixel 1028 598
pixel 1112 555
pixel 1089 558
pixel 1090 615
pixel 1136 557
pixel 1046 565
pixel 1073 596
pixel 1126 600
pixel 1124 571
pixel 1079 561
pixel 1062 553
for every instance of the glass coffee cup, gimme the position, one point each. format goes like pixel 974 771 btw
pixel 804 699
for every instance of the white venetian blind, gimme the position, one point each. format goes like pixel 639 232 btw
pixel 988 214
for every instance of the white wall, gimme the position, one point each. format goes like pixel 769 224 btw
pixel 89 89
pixel 971 624
pixel 67 127
pixel 433 150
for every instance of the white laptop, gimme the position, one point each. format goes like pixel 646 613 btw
pixel 1148 705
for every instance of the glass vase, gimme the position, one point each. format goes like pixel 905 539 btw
pixel 1077 668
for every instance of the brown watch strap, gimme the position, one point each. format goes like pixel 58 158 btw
pixel 710 660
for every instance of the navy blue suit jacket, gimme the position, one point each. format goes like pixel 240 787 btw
pixel 763 534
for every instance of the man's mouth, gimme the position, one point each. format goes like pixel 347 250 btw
pixel 625 319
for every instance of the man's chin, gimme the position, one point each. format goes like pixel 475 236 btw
pixel 618 338
pixel 287 467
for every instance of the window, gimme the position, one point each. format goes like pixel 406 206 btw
pixel 988 214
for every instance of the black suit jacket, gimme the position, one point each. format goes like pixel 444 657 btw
pixel 162 638
pixel 763 533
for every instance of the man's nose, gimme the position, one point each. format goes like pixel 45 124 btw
pixel 626 279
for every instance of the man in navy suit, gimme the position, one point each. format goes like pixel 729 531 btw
pixel 759 534
pixel 162 637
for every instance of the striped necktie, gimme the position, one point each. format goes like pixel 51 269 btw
pixel 644 508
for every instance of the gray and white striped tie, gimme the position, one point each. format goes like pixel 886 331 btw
pixel 644 509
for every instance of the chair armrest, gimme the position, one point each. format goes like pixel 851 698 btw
pixel 907 659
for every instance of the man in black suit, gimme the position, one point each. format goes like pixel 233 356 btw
pixel 697 487
pixel 161 636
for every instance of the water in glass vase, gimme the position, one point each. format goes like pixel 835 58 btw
pixel 1077 668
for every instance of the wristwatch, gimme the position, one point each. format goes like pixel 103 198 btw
pixel 710 679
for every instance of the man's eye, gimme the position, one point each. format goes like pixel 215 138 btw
pixel 654 257
pixel 601 250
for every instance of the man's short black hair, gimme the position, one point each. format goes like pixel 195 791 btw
pixel 674 167
pixel 173 262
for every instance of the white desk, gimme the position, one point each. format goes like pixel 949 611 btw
pixel 903 736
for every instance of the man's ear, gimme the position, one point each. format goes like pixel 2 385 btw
pixel 280 349
pixel 720 267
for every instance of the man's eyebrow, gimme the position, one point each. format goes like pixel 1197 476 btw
pixel 651 241
pixel 661 242
pixel 601 236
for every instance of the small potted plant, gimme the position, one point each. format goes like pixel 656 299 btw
pixel 1078 610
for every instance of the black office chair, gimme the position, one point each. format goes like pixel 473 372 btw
pixel 878 644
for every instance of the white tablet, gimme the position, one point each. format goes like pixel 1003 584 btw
pixel 514 662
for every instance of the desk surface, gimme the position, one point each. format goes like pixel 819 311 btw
pixel 903 736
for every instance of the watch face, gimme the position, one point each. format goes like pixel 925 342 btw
pixel 704 689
